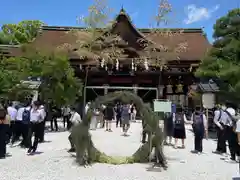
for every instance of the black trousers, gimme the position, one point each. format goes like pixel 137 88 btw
pixel 144 136
pixel 66 119
pixel 42 127
pixel 221 140
pixel 119 120
pixel 3 131
pixel 35 128
pixel 231 137
pixel 71 141
pixel 54 121
pixel 16 128
pixel 198 142
pixel 26 134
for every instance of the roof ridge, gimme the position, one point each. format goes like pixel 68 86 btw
pixel 144 30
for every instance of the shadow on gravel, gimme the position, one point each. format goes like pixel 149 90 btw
pixel 35 153
pixel 154 169
pixel 60 129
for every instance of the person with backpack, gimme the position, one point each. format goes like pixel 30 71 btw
pixel 179 132
pixel 230 134
pixel 199 124
pixel 23 116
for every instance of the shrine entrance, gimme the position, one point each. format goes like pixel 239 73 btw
pixel 148 94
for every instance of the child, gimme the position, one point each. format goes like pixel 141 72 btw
pixel 179 132
pixel 199 124
pixel 168 128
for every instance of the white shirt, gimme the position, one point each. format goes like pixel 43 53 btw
pixel 12 112
pixel 75 118
pixel 20 112
pixel 224 119
pixel 238 126
pixel 37 115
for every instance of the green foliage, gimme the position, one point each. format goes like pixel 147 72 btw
pixel 87 153
pixel 223 60
pixel 23 32
pixel 58 83
pixel 10 78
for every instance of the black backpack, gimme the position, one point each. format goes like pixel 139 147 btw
pixel 179 121
pixel 26 116
pixel 198 124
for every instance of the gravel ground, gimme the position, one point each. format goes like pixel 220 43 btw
pixel 54 163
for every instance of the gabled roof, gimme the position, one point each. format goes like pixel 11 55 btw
pixel 209 87
pixel 52 37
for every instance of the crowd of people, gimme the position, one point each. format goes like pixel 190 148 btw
pixel 227 124
pixel 23 121
pixel 27 120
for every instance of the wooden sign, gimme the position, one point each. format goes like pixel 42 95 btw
pixel 208 100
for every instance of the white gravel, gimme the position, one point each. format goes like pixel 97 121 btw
pixel 54 163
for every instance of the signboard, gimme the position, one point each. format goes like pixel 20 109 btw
pixel 162 106
pixel 208 100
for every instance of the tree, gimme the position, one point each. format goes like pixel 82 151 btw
pixel 58 83
pixel 23 32
pixel 222 63
pixel 10 78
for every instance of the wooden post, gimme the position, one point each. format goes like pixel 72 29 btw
pixel 207 123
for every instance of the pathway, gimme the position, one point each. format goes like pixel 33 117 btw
pixel 56 164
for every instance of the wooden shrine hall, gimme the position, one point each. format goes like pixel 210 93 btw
pixel 154 63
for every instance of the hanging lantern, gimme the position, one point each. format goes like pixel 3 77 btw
pixel 146 64
pixel 169 88
pixel 102 62
pixel 117 64
pixel 179 88
pixel 132 65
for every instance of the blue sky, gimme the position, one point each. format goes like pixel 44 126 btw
pixel 186 13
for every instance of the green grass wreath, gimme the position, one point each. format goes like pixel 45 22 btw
pixel 87 153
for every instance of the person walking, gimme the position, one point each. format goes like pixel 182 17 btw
pixel 168 128
pixel 199 124
pixel 230 132
pixel 219 119
pixel 118 110
pixel 109 116
pixel 15 126
pixel 75 119
pixel 66 116
pixel 4 124
pixel 23 116
pixel 94 119
pixel 125 119
pixel 36 117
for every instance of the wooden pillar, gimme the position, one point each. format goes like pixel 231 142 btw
pixel 135 90
pixel 160 91
pixel 105 88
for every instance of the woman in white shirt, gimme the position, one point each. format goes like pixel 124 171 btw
pixel 36 117
pixel 94 119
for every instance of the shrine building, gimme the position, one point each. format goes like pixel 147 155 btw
pixel 146 61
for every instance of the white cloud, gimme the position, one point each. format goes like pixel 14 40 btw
pixel 195 14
